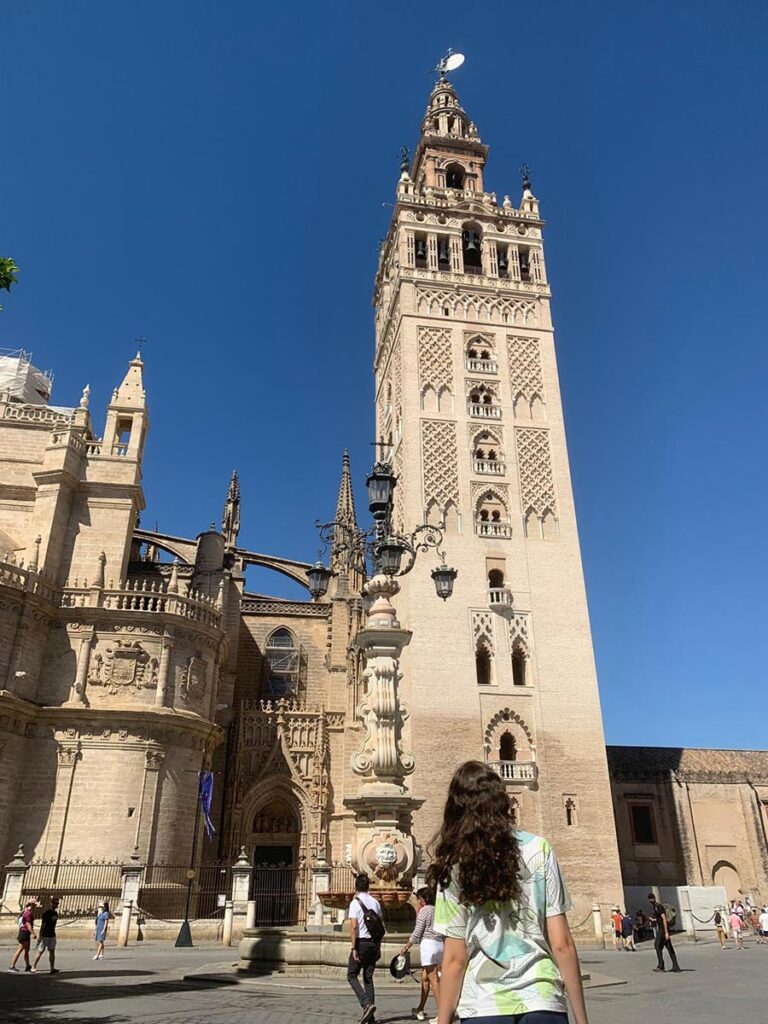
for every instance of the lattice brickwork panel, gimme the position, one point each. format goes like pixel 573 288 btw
pixel 518 633
pixel 435 362
pixel 537 486
pixel 525 367
pixel 439 457
pixel 483 629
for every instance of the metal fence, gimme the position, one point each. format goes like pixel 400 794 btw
pixel 80 885
pixel 342 879
pixel 164 887
pixel 282 894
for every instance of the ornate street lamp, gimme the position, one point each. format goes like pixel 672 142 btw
pixel 444 578
pixel 380 547
pixel 381 485
pixel 389 555
pixel 319 577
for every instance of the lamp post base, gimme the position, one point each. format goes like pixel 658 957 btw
pixel 184 937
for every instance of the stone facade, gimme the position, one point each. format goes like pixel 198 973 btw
pixel 692 817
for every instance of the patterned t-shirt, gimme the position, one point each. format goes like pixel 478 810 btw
pixel 510 968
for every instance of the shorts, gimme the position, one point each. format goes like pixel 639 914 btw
pixel 431 952
pixel 23 938
pixel 47 942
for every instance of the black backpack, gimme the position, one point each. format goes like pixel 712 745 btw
pixel 373 923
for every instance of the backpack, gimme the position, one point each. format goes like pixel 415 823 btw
pixel 373 923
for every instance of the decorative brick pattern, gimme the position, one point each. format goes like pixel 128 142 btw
pixel 537 486
pixel 483 630
pixel 439 456
pixel 435 362
pixel 525 367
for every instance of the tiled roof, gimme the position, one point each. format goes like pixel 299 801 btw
pixel 692 763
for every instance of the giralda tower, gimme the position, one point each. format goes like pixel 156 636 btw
pixel 467 397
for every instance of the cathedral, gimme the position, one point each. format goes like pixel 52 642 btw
pixel 130 660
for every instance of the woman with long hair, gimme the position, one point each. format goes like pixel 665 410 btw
pixel 501 905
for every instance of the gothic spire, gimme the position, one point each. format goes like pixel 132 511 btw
pixel 345 506
pixel 230 521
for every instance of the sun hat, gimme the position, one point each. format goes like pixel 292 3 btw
pixel 400 966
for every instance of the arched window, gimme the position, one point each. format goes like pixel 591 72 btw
pixel 518 667
pixel 471 247
pixel 482 664
pixel 455 176
pixel 570 811
pixel 495 578
pixel 514 811
pixel 507 747
pixel 282 661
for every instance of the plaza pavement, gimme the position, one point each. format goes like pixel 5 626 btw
pixel 154 983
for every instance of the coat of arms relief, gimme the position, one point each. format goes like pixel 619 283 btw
pixel 123 665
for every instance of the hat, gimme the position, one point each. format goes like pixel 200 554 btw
pixel 400 965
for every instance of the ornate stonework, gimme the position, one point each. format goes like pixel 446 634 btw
pixel 440 461
pixel 537 486
pixel 123 665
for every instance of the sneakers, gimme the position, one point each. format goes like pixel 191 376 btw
pixel 28 968
pixel 97 957
pixel 659 970
pixel 677 970
pixel 54 970
pixel 34 971
pixel 13 970
pixel 368 1013
pixel 418 1014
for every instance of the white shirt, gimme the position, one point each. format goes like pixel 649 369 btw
pixel 763 921
pixel 356 911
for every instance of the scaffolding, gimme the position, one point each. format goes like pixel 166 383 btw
pixel 23 381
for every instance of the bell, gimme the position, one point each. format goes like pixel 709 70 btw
pixel 421 249
pixel 470 241
pixel 442 251
pixel 503 262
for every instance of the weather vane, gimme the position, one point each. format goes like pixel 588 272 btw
pixel 141 341
pixel 405 158
pixel 449 62
pixel 525 170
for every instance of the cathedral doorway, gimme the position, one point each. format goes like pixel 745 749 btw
pixel 279 882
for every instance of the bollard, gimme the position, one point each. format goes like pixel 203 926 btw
pixel 597 920
pixel 226 939
pixel 250 916
pixel 125 923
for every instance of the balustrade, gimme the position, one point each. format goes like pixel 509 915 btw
pixel 515 771
pixel 482 365
pixel 489 467
pixel 485 528
pixel 499 597
pixel 487 412
pixel 143 596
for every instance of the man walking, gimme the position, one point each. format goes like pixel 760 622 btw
pixel 366 930
pixel 48 936
pixel 662 940
pixel 737 927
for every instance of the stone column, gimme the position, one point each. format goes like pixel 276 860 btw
pixel 14 883
pixel 83 664
pixel 162 672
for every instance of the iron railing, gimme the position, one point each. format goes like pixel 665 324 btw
pixel 163 891
pixel 281 894
pixel 80 885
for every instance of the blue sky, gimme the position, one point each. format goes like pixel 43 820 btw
pixel 211 175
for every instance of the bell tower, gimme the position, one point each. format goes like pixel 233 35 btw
pixel 467 398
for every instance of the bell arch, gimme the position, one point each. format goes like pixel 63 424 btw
pixel 509 722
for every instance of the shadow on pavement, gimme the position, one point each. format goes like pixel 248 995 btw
pixel 40 1004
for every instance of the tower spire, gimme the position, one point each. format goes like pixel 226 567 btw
pixel 345 511
pixel 230 520
pixel 345 506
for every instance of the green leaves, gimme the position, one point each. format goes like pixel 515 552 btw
pixel 8 271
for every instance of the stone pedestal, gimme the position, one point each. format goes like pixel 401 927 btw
pixel 14 883
pixel 242 873
pixel 132 872
pixel 321 883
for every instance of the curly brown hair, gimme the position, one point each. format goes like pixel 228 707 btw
pixel 477 837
